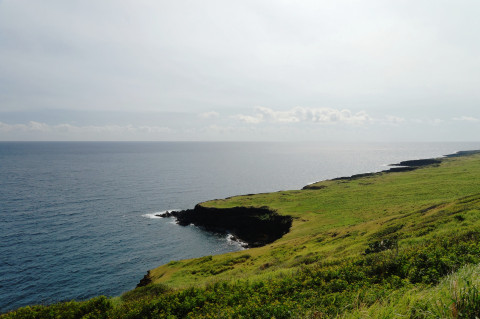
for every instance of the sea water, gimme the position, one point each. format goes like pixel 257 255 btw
pixel 78 219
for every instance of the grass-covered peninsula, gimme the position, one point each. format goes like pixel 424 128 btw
pixel 400 244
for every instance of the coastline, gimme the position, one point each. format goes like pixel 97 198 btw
pixel 342 234
pixel 256 227
pixel 223 206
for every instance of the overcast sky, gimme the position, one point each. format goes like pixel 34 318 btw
pixel 240 70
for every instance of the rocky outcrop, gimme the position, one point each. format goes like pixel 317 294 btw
pixel 254 226
pixel 356 176
pixel 404 166
pixel 145 280
pixel 418 163
pixel 464 153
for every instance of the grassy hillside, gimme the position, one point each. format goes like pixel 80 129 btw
pixel 342 218
pixel 381 246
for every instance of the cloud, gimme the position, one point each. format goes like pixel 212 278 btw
pixel 250 119
pixel 31 126
pixel 124 57
pixel 395 120
pixel 209 115
pixel 433 122
pixel 220 129
pixel 303 114
pixel 34 130
pixel 466 119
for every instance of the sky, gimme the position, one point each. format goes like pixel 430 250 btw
pixel 149 70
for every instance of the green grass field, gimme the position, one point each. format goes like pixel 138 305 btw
pixel 391 245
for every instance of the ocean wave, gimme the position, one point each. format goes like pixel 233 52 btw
pixel 232 240
pixel 155 215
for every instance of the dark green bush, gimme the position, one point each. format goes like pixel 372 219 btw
pixel 97 307
pixel 147 292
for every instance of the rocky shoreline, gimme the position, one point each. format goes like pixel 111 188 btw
pixel 403 166
pixel 253 226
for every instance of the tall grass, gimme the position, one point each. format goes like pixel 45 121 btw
pixel 455 296
pixel 458 296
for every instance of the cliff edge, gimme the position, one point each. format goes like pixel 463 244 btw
pixel 254 226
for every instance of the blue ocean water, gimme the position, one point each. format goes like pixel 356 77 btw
pixel 77 218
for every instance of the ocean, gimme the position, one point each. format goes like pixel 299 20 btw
pixel 77 219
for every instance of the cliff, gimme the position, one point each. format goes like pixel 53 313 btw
pixel 254 226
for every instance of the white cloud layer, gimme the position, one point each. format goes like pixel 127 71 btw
pixel 38 130
pixel 209 115
pixel 189 56
pixel 303 114
pixel 191 64
pixel 467 119
pixel 263 124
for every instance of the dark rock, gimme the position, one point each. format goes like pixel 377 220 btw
pixel 356 176
pixel 464 153
pixel 145 280
pixel 314 187
pixel 166 214
pixel 417 163
pixel 254 226
pixel 402 169
pixel 403 166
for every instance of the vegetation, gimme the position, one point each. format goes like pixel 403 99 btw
pixel 388 245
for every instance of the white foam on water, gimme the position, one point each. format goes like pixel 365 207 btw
pixel 155 215
pixel 232 240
